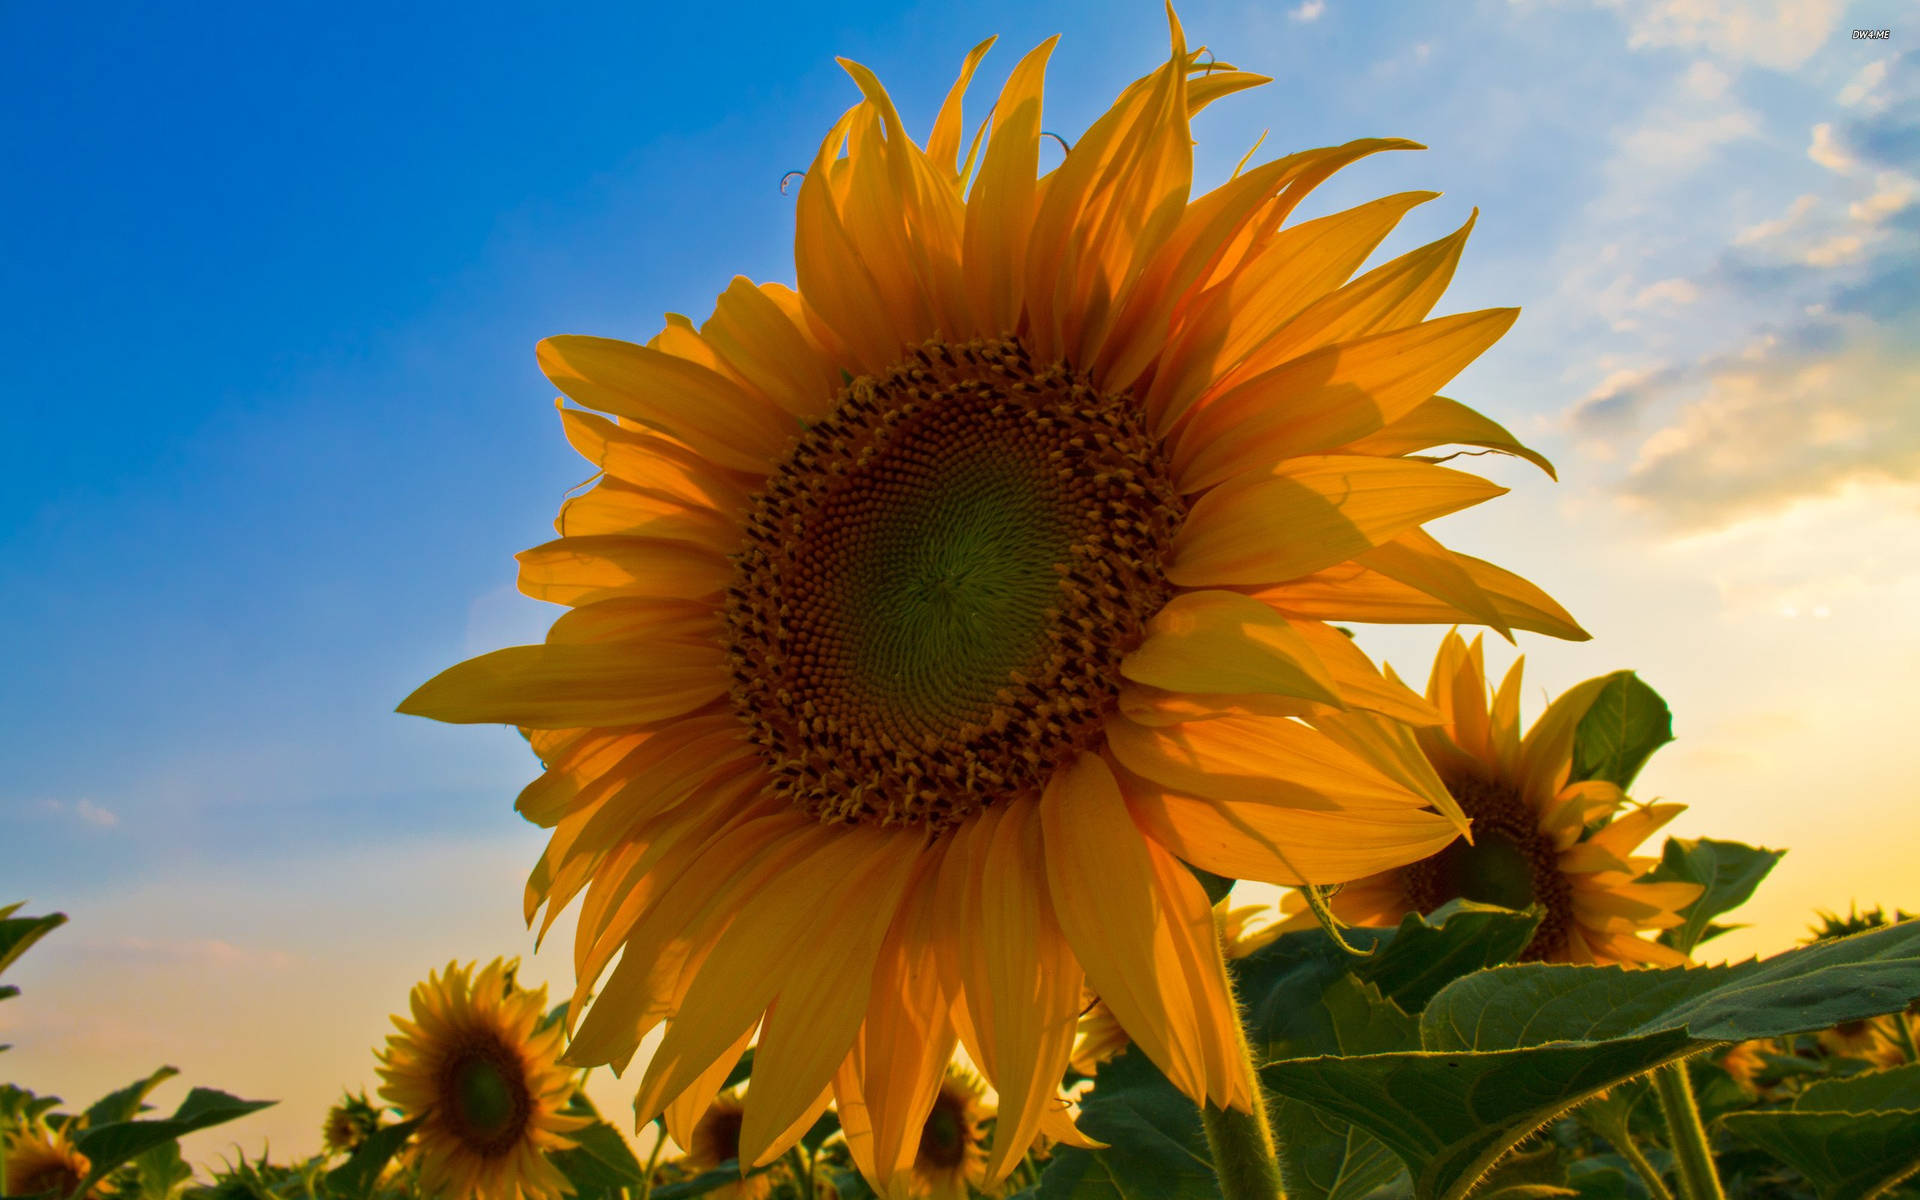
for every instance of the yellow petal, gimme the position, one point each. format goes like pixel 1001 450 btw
pixel 815 1015
pixel 615 506
pixel 775 353
pixel 1000 212
pixel 1418 560
pixel 1353 592
pixel 639 619
pixel 557 686
pixel 943 145
pixel 1360 683
pixel 695 405
pixel 654 461
pixel 1292 270
pixel 1438 421
pixel 1309 514
pixel 1279 844
pixel 1546 753
pixel 1264 760
pixel 1224 642
pixel 1315 403
pixel 1149 954
pixel 689 1106
pixel 582 570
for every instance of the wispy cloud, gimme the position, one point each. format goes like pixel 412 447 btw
pixel 83 810
pixel 1309 11
pixel 1770 33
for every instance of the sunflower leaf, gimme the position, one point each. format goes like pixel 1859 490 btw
pixel 129 1101
pixel 600 1160
pixel 1849 1137
pixel 1626 723
pixel 1155 1149
pixel 109 1146
pixel 17 933
pixel 355 1177
pixel 1728 871
pixel 1428 952
pixel 1326 1158
pixel 707 1181
pixel 1505 1050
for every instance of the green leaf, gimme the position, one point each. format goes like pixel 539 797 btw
pixel 1627 722
pixel 741 1070
pixel 1729 871
pixel 599 1161
pixel 17 933
pixel 1326 1158
pixel 109 1146
pixel 161 1172
pixel 1429 952
pixel 1504 1051
pixel 707 1181
pixel 1855 1137
pixel 823 1128
pixel 1156 1149
pixel 128 1102
pixel 356 1176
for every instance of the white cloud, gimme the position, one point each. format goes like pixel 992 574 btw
pixel 1864 89
pixel 1666 292
pixel 1707 81
pixel 1769 33
pixel 1309 11
pixel 84 810
pixel 1670 142
pixel 1832 251
pixel 1828 152
pixel 1892 192
pixel 1767 230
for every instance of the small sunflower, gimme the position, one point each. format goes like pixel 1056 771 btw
pixel 348 1124
pixel 1870 1040
pixel 488 1086
pixel 1529 842
pixel 38 1159
pixel 1242 931
pixel 925 618
pixel 715 1139
pixel 952 1157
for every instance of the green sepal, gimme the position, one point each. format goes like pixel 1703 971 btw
pixel 1727 871
pixel 356 1176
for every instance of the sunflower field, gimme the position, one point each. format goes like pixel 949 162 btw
pixel 944 638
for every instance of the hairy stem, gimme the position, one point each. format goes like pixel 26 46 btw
pixel 1245 1159
pixel 1630 1150
pixel 1693 1160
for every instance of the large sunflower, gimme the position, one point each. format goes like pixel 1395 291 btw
pixel 925 619
pixel 1534 840
pixel 488 1084
pixel 37 1159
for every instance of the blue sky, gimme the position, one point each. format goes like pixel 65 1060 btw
pixel 273 426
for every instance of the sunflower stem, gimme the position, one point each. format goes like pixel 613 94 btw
pixel 1903 1034
pixel 653 1158
pixel 1656 1186
pixel 1245 1155
pixel 802 1172
pixel 1692 1159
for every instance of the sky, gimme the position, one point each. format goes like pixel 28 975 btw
pixel 273 429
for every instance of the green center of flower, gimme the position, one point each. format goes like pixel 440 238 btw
pixel 940 580
pixel 1509 863
pixel 486 1101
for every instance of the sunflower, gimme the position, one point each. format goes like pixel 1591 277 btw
pixel 39 1159
pixel 715 1139
pixel 952 1156
pixel 488 1085
pixel 1530 841
pixel 1100 1036
pixel 926 618
pixel 348 1124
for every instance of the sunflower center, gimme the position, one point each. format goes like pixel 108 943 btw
pixel 59 1177
pixel 486 1101
pixel 1510 863
pixel 940 580
pixel 943 1139
pixel 716 1137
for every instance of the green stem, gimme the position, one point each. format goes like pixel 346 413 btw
pixel 1244 1151
pixel 1692 1160
pixel 1904 1035
pixel 1629 1150
pixel 802 1174
pixel 653 1159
